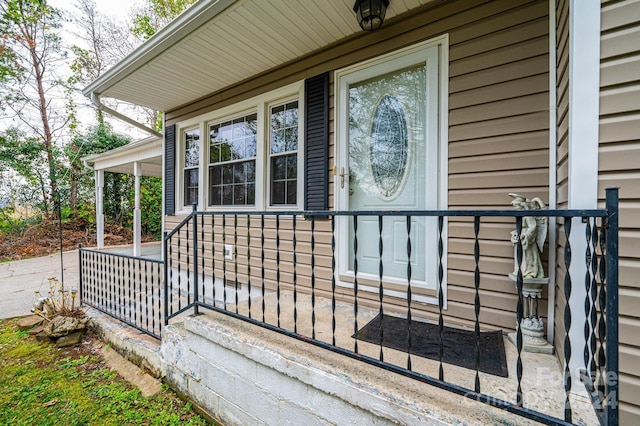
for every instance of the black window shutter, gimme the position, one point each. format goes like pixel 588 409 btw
pixel 316 143
pixel 169 170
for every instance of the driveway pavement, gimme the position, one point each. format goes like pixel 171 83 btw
pixel 21 278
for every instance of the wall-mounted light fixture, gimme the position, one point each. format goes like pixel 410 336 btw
pixel 370 13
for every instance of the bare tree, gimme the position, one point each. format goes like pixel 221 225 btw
pixel 30 52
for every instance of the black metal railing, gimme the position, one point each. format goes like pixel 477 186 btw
pixel 279 270
pixel 127 288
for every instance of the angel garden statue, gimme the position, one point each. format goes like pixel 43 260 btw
pixel 532 236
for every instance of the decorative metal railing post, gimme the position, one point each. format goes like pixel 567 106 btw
pixel 611 397
pixel 80 292
pixel 194 216
pixel 165 243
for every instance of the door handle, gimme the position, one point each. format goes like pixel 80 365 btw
pixel 342 175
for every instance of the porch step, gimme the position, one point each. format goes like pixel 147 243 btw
pixel 137 347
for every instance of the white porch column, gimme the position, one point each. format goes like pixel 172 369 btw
pixel 99 209
pixel 584 97
pixel 137 233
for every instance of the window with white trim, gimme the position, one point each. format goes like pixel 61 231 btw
pixel 232 162
pixel 191 163
pixel 283 153
pixel 251 156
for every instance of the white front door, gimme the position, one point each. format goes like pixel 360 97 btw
pixel 389 162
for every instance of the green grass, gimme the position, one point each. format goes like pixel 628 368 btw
pixel 42 385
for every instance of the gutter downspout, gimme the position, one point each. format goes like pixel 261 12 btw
pixel 95 98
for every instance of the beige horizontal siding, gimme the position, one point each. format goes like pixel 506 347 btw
pixel 618 163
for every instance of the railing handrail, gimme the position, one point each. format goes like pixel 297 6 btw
pixel 125 256
pixel 433 213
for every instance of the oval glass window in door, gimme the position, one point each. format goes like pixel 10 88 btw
pixel 389 147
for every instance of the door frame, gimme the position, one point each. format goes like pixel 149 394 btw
pixel 432 52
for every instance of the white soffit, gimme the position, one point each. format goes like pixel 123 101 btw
pixel 193 58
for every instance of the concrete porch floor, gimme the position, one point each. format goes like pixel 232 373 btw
pixel 542 382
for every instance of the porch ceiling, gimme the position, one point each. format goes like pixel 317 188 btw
pixel 147 152
pixel 219 43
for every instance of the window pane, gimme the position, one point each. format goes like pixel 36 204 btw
pixel 214 153
pixel 291 115
pixel 292 166
pixel 278 193
pixel 227 174
pixel 292 189
pixel 190 187
pixel 250 146
pixel 278 167
pixel 277 141
pixel 250 170
pixel 215 175
pixel 251 194
pixel 192 148
pixel 238 173
pixel 238 195
pixel 291 138
pixel 227 195
pixel 225 151
pixel 215 196
pixel 225 132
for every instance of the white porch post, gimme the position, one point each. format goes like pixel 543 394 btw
pixel 137 233
pixel 584 93
pixel 99 209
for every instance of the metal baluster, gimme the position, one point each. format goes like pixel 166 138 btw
pixel 519 312
pixel 146 294
pixel 380 287
pixel 602 303
pixel 129 301
pixel 278 269
pixel 109 267
pixel 333 280
pixel 196 298
pixel 355 281
pixel 313 278
pixel 139 265
pixel 159 274
pixel 235 256
pixel 102 274
pixel 567 319
pixel 179 250
pixel 213 259
pixel 295 279
pixel 81 263
pixel 262 262
pixel 119 291
pixel 476 281
pixel 440 299
pixel 593 320
pixel 188 265
pixel 165 272
pixel 611 396
pixel 169 272
pixel 202 293
pixel 409 295
pixel 224 261
pixel 587 301
pixel 249 263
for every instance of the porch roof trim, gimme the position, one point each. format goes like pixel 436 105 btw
pixel 147 152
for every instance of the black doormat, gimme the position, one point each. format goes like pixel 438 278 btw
pixel 459 345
